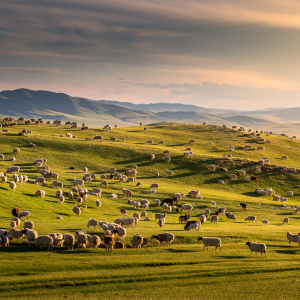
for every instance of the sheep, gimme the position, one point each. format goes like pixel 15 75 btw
pixel 104 183
pixel 24 214
pixel 191 141
pixel 161 143
pixel 167 152
pixel 76 210
pixel 2 157
pixel 136 215
pixel 128 222
pixel 289 193
pixel 145 206
pixel 212 203
pixel 286 220
pixel 149 142
pixel 69 240
pixel 194 193
pixel 151 191
pixel 12 185
pixel 166 159
pixel 243 205
pixel 78 182
pixel 257 247
pixel 202 219
pixel 160 216
pixel 13 224
pixel 40 193
pixel 152 156
pixel 154 185
pixel 97 191
pixel 211 168
pixel 95 241
pixel 28 225
pixel 126 192
pixel 58 193
pixel 16 150
pixel 251 218
pixel 17 234
pixel 214 219
pixel 157 203
pixel 168 172
pixel 92 223
pixel 164 238
pixel 81 239
pixel 184 218
pixel 297 209
pixel 241 173
pixel 211 242
pixel 284 157
pixel 265 222
pixel 161 222
pixel 292 238
pixel 57 184
pixel 13 169
pixel 31 235
pixel 232 176
pixel 188 207
pixel 136 241
pixel 17 221
pixel 230 216
pixel 207 212
pixel 195 226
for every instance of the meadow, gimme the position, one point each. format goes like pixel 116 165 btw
pixel 181 271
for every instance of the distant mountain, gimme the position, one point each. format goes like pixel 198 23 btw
pixel 50 106
pixel 171 107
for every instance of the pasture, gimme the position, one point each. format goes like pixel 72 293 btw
pixel 183 270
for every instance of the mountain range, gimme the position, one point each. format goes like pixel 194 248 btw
pixel 49 106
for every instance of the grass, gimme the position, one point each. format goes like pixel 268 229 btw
pixel 183 270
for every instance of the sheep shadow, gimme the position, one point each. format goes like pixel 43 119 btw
pixel 232 257
pixel 287 251
pixel 180 250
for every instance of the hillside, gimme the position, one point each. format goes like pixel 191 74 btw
pixel 50 106
pixel 153 271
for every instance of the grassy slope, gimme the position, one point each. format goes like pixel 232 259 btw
pixel 172 271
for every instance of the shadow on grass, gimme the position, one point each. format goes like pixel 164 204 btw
pixel 287 251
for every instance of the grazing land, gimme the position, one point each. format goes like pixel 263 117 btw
pixel 183 270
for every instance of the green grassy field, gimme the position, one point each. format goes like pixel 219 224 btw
pixel 181 271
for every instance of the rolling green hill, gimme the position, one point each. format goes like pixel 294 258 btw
pixel 181 271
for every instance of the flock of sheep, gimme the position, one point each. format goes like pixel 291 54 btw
pixel 115 232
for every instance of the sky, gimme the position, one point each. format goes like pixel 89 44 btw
pixel 217 53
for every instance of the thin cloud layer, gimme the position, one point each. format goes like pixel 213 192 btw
pixel 90 47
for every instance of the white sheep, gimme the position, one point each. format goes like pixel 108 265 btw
pixel 251 218
pixel 265 222
pixel 286 220
pixel 257 247
pixel 211 242
pixel 164 238
pixel 188 207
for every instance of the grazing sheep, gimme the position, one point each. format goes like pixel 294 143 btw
pixel 232 176
pixel 136 241
pixel 297 209
pixel 149 142
pixel 81 239
pixel 241 173
pixel 123 211
pixel 16 150
pixel 78 182
pixel 95 241
pixel 257 247
pixel 12 185
pixel 188 207
pixel 40 193
pixel 194 193
pixel 184 218
pixel 28 225
pixel 128 222
pixel 168 172
pixel 161 222
pixel 13 170
pixel 119 245
pixel 127 192
pixel 152 156
pixel 212 203
pixel 17 234
pixel 69 240
pixel 207 212
pixel 284 157
pixel 92 223
pixel 31 235
pixel 157 203
pixel 243 205
pixel 221 181
pixel 195 226
pixel 154 185
pixel 214 219
pixel 211 168
pixel 164 238
pixel 160 216
pixel 289 193
pixel 13 224
pixel 286 220
pixel 265 222
pixel 251 218
pixel 167 152
pixel 202 219
pixel 76 210
pixel 24 214
pixel 230 216
pixel 57 184
pixel 211 242
pixel 17 220
pixel 191 141
pixel 151 191
pixel 292 238
pixel 166 159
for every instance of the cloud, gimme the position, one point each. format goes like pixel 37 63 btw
pixel 31 70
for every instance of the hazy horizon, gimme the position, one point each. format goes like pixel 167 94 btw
pixel 217 54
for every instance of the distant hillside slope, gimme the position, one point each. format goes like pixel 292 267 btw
pixel 50 106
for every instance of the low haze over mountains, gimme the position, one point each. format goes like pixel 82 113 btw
pixel 49 105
